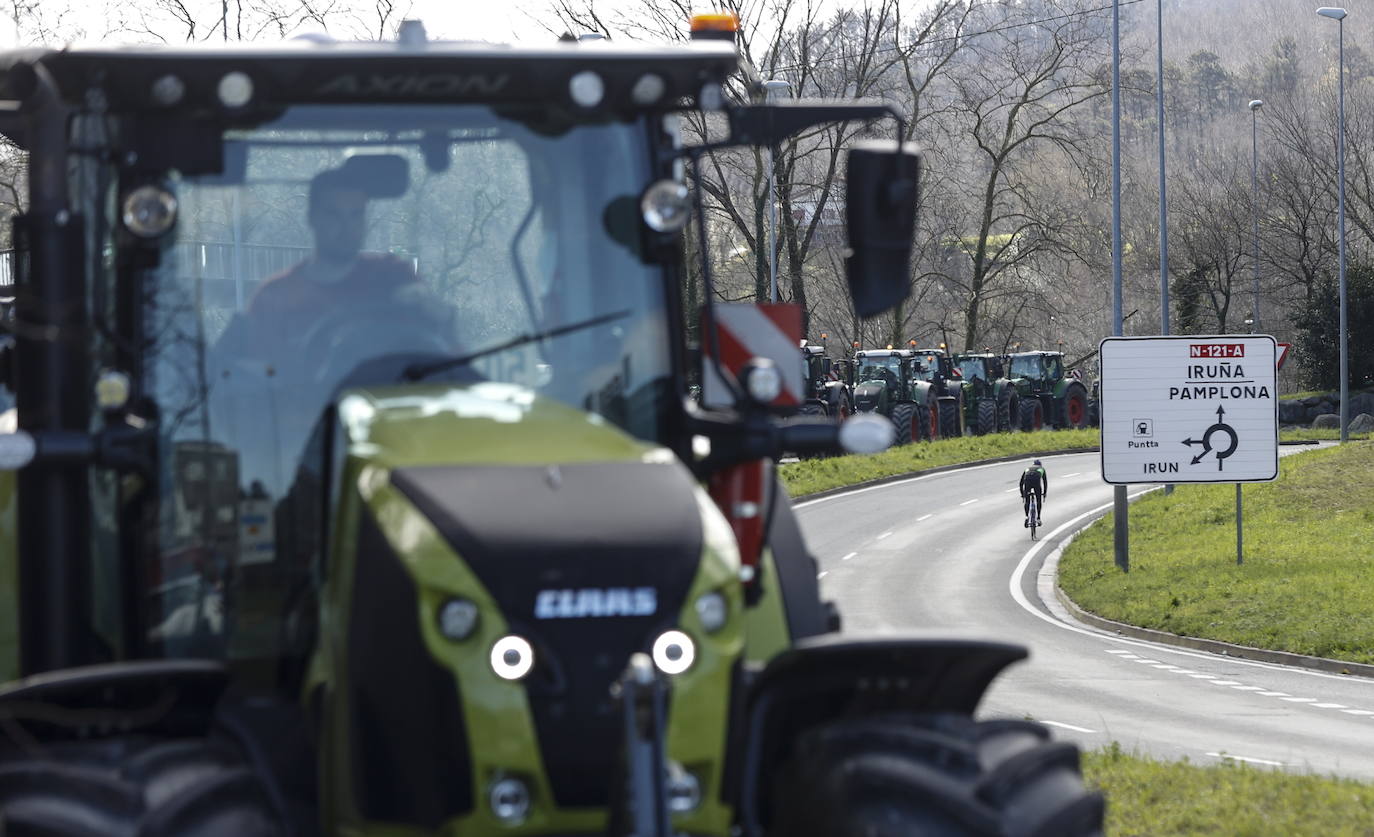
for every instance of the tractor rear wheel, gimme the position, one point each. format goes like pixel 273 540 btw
pixel 134 785
pixel 987 417
pixel 1032 414
pixel 943 774
pixel 949 418
pixel 1075 409
pixel 902 420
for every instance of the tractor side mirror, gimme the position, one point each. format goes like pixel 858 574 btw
pixel 882 182
pixel 825 367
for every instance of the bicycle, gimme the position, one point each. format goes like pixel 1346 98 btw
pixel 1033 512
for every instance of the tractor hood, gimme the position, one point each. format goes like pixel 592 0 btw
pixel 868 396
pixel 560 529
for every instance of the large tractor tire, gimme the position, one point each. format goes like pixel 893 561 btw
pixel 900 775
pixel 1074 411
pixel 189 787
pixel 951 427
pixel 1032 414
pixel 1008 410
pixel 903 418
pixel 986 419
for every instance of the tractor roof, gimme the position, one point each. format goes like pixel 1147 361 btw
pixel 884 353
pixel 813 351
pixel 1036 354
pixel 189 81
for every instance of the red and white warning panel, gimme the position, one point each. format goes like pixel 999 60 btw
pixel 747 331
pixel 1189 409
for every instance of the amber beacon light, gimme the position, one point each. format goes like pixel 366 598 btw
pixel 715 26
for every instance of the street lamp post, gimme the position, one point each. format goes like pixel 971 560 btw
pixel 770 87
pixel 1255 105
pixel 1338 15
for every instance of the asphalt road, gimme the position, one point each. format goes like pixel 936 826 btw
pixel 948 553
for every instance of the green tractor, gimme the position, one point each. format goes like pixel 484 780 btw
pixel 994 404
pixel 825 384
pixel 888 382
pixel 1048 395
pixel 957 404
pixel 353 485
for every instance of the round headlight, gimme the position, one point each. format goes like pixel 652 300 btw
pixel 712 610
pixel 510 800
pixel 866 433
pixel 648 89
pixel 149 211
pixel 457 619
pixel 666 206
pixel 235 89
pixel 587 89
pixel 512 657
pixel 762 380
pixel 674 652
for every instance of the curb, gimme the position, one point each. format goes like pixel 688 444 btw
pixel 1214 646
pixel 831 492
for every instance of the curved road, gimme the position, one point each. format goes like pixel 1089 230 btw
pixel 946 552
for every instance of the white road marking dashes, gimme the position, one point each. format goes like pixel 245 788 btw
pixel 1229 757
pixel 1067 726
pixel 850 555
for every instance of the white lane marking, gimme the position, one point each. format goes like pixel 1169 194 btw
pixel 968 502
pixel 1229 757
pixel 1299 700
pixel 1329 705
pixel 1010 490
pixel 1247 688
pixel 850 555
pixel 1164 667
pixel 823 574
pixel 1117 651
pixel 805 503
pixel 1204 676
pixel 1014 586
pixel 1357 712
pixel 1273 694
pixel 1147 661
pixel 1067 726
pixel 924 517
pixel 1074 474
pixel 1225 682
pixel 883 535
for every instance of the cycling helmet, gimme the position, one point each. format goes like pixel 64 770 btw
pixel 1037 462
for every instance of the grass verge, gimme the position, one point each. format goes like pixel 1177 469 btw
pixel 1306 584
pixel 812 475
pixel 1148 797
pixel 1310 434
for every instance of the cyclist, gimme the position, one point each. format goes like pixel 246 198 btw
pixel 1034 480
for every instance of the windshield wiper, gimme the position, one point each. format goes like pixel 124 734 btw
pixel 420 371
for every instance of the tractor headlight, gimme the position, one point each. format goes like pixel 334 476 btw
pixel 512 657
pixel 712 610
pixel 457 619
pixel 674 652
pixel 149 211
pixel 684 789
pixel 510 800
pixel 665 206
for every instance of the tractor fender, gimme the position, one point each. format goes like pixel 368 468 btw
pixel 806 614
pixel 825 677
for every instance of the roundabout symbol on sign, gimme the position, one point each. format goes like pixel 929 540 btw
pixel 1206 440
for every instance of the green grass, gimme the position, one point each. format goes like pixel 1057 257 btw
pixel 812 475
pixel 1306 585
pixel 1154 798
pixel 1318 435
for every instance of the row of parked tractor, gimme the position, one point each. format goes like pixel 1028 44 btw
pixel 929 393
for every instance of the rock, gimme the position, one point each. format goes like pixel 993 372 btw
pixel 1361 402
pixel 1326 421
pixel 1363 423
pixel 1292 412
pixel 1313 400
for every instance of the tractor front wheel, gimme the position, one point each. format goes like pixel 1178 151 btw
pixel 1007 410
pixel 986 421
pixel 947 774
pixel 950 418
pixel 1032 414
pixel 902 421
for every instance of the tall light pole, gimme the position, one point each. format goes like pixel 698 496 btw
pixel 771 86
pixel 1255 105
pixel 1121 540
pixel 1163 194
pixel 1338 15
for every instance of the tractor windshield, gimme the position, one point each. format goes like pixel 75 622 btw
pixel 1027 366
pixel 973 367
pixel 339 247
pixel 885 369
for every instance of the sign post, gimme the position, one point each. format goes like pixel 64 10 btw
pixel 1190 408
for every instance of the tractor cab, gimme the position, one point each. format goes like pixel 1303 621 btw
pixel 1045 368
pixel 1048 395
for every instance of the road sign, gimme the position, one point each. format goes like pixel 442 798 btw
pixel 1283 353
pixel 747 331
pixel 1189 409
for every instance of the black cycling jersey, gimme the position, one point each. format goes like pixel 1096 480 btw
pixel 1035 479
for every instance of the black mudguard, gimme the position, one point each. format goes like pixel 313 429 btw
pixel 829 677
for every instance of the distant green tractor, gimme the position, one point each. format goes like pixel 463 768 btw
pixel 957 397
pixel 1048 395
pixel 827 394
pixel 995 404
pixel 888 382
